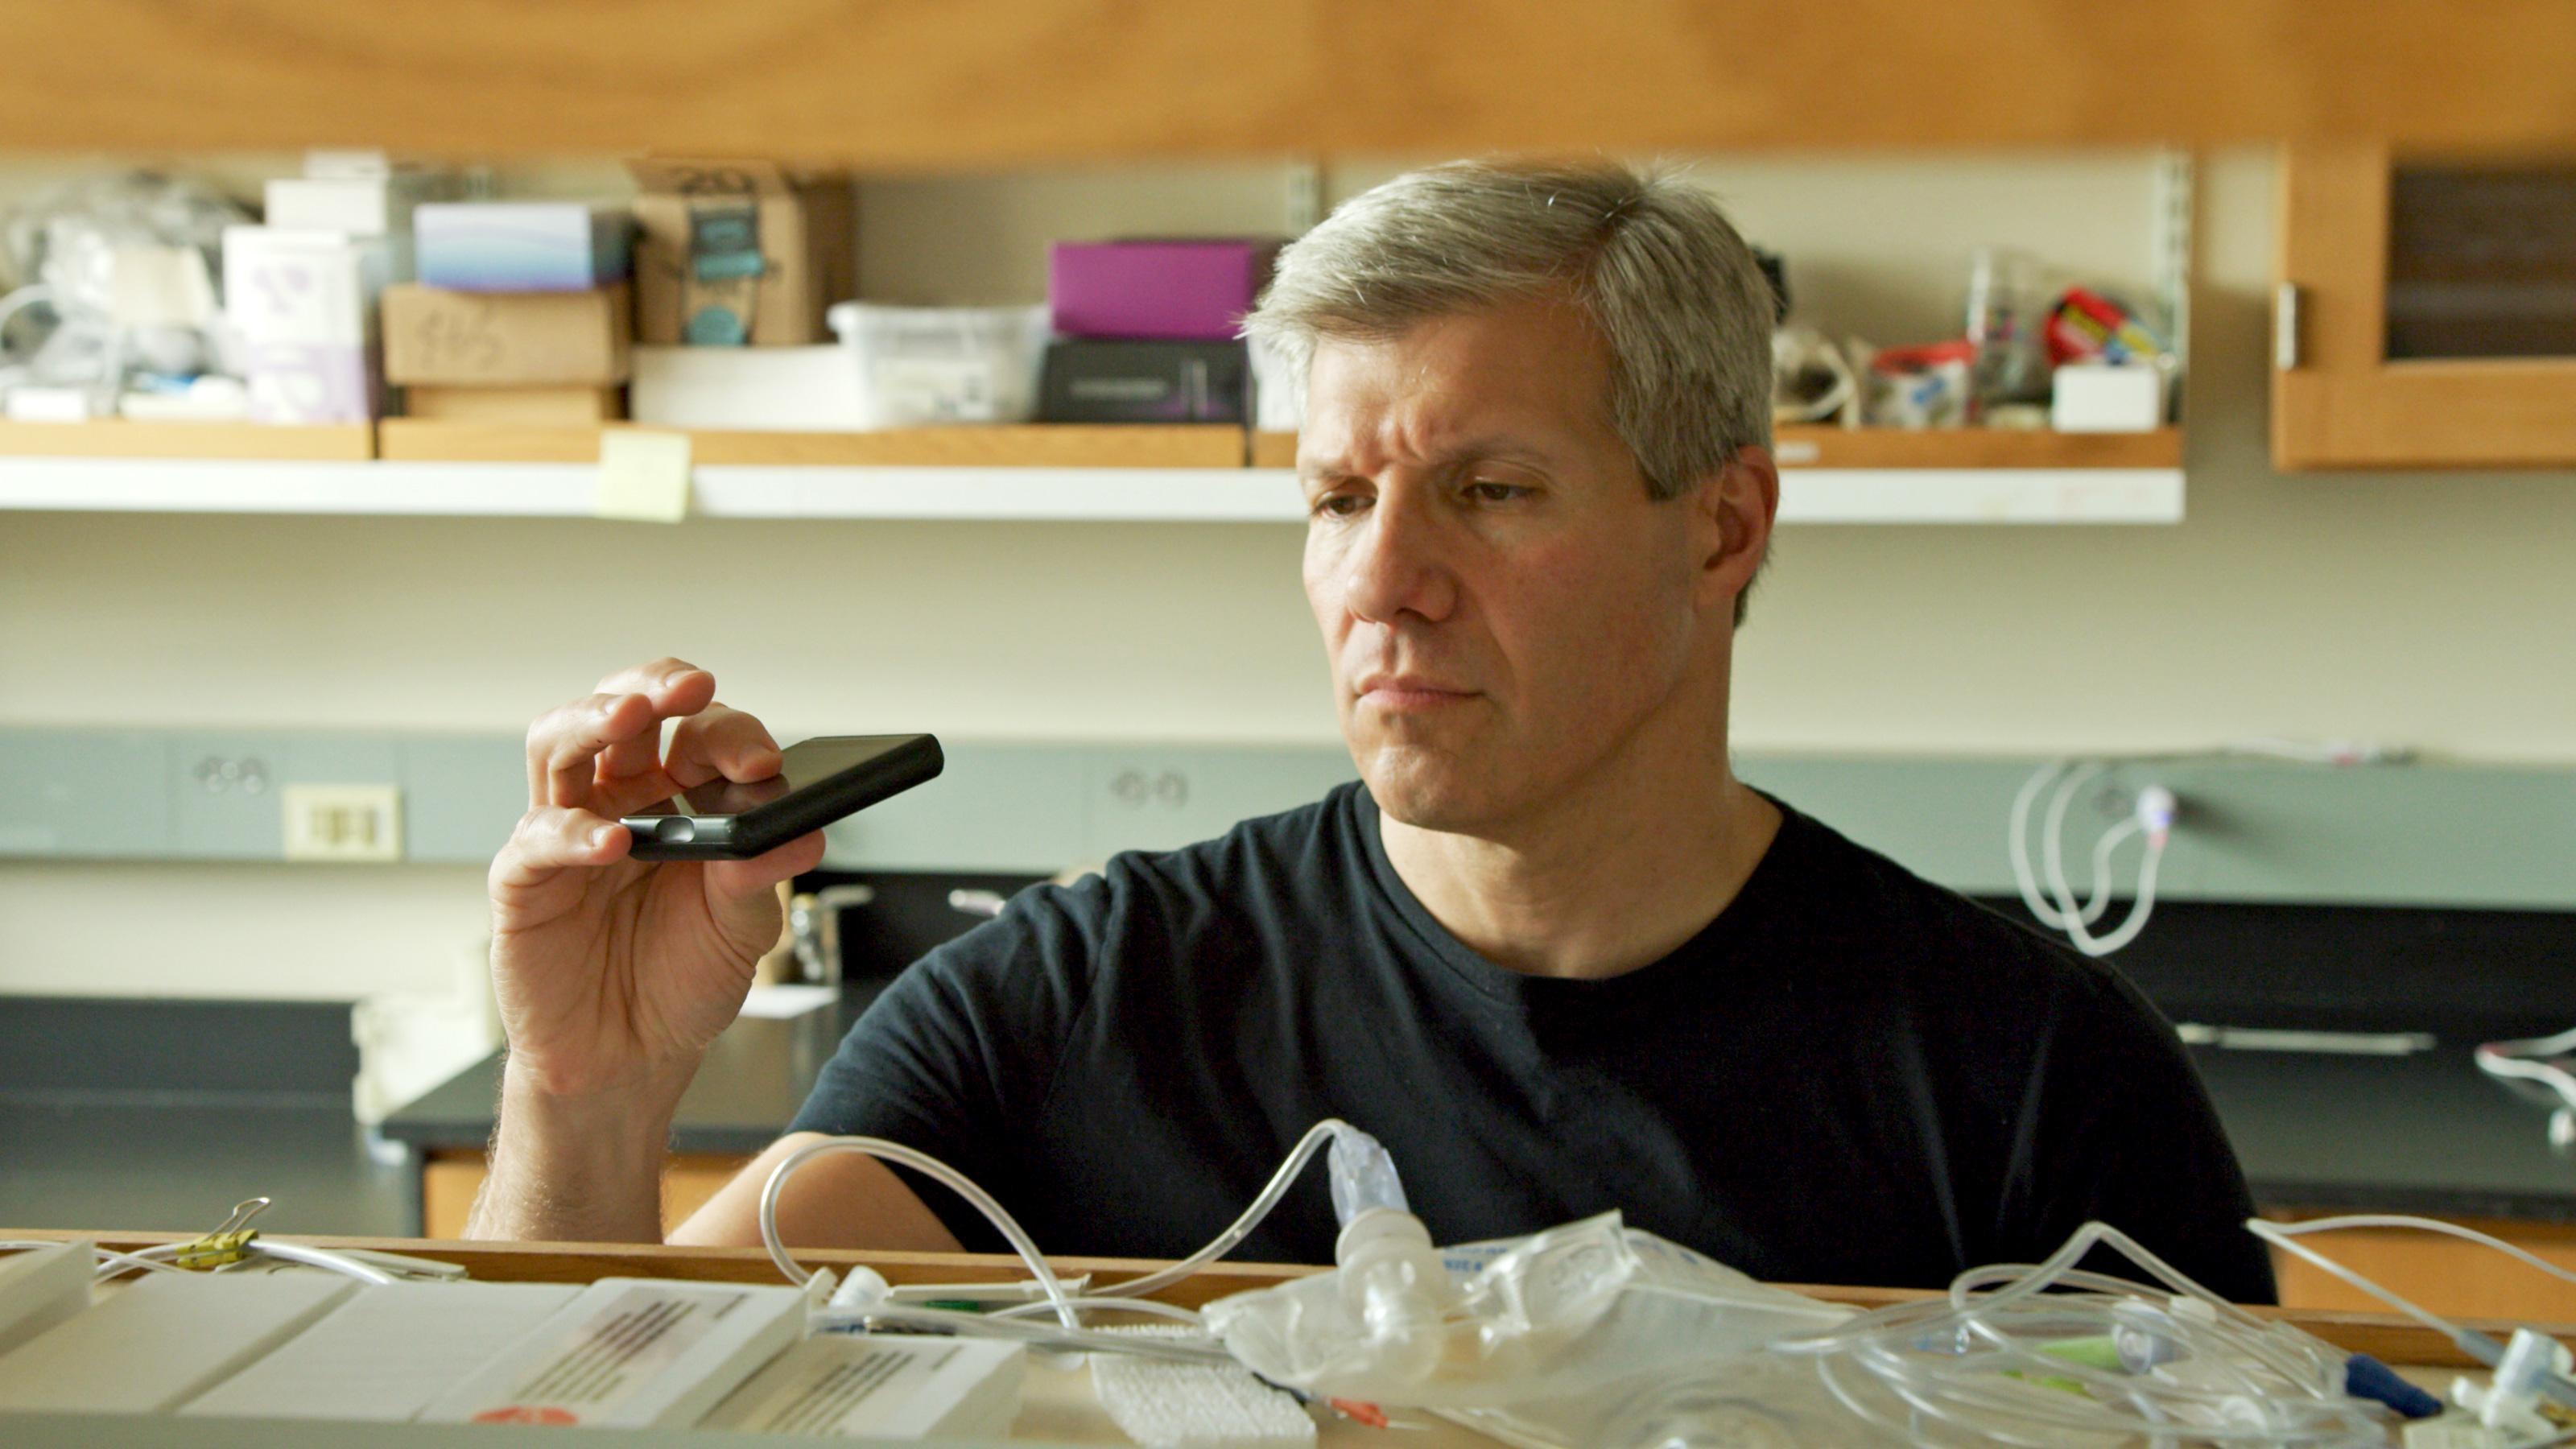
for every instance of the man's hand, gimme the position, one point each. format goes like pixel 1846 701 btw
pixel 614 975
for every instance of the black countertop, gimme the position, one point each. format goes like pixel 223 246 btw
pixel 157 1115
pixel 755 1077
pixel 2424 1133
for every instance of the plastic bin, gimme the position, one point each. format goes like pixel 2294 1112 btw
pixel 919 366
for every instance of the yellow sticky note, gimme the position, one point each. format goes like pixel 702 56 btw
pixel 643 476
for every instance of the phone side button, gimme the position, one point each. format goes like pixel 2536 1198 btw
pixel 675 830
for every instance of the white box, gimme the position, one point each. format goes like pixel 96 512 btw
pixel 349 205
pixel 315 288
pixel 387 1352
pixel 630 1353
pixel 768 389
pixel 160 1342
pixel 853 1386
pixel 2094 397
pixel 303 304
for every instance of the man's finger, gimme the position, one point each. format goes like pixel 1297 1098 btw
pixel 675 685
pixel 553 838
pixel 671 688
pixel 720 740
pixel 564 742
pixel 731 883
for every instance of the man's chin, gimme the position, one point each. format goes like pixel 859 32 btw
pixel 1427 789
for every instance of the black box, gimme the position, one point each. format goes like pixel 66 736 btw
pixel 1094 380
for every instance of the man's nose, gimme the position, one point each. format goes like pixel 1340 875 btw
pixel 1400 563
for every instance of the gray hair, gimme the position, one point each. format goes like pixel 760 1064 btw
pixel 1654 263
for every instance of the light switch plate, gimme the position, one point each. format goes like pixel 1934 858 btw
pixel 343 822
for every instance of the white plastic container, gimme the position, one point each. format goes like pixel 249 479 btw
pixel 921 366
pixel 761 389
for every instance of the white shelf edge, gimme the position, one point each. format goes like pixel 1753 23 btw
pixel 1112 495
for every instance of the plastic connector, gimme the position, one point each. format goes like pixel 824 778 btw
pixel 2157 807
pixel 1398 1289
pixel 1363 1174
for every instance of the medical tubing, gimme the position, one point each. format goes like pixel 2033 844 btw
pixel 2291 1382
pixel 2145 907
pixel 2052 844
pixel 1096 1303
pixel 994 1213
pixel 1268 1198
pixel 2416 1224
pixel 2476 1345
pixel 322 1258
pixel 930 1167
pixel 2017 844
pixel 2077 923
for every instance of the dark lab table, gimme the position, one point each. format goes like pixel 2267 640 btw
pixel 754 1079
pixel 160 1115
pixel 2426 1133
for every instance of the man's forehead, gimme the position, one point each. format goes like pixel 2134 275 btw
pixel 1448 383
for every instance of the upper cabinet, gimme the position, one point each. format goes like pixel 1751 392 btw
pixel 2426 312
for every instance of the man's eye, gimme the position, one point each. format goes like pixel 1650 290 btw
pixel 1487 491
pixel 1338 505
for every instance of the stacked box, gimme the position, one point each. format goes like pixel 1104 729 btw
pixel 303 305
pixel 1150 330
pixel 522 315
pixel 740 253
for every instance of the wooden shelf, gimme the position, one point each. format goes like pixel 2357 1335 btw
pixel 1047 445
pixel 1897 449
pixel 117 438
pixel 1108 495
pixel 905 88
pixel 1901 448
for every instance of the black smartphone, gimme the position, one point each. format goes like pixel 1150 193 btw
pixel 818 781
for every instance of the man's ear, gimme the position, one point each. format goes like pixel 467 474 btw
pixel 1733 510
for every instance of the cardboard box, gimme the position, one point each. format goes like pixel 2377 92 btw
pixel 500 339
pixel 1178 290
pixel 729 253
pixel 521 246
pixel 569 406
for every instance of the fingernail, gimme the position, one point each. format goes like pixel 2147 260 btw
pixel 599 837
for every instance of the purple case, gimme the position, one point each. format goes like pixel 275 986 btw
pixel 1193 291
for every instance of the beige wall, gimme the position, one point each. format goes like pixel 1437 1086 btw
pixel 2430 609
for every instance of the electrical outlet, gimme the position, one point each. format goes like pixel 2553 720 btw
pixel 343 822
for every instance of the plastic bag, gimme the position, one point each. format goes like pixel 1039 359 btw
pixel 1754 1401
pixel 1561 1314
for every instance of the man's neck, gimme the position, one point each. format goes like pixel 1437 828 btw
pixel 1598 885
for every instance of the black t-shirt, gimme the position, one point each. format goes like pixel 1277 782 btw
pixel 1849 1076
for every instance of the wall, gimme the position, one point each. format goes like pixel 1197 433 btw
pixel 2423 608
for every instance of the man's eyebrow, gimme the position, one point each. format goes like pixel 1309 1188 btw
pixel 1498 446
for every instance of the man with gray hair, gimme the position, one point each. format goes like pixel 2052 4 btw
pixel 1549 949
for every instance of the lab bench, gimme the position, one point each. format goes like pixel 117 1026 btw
pixel 163 1114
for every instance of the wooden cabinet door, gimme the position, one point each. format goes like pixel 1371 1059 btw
pixel 2471 366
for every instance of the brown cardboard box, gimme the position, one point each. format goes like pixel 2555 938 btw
pixel 731 252
pixel 568 406
pixel 501 339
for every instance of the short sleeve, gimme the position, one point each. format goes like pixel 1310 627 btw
pixel 2128 1136
pixel 956 1057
